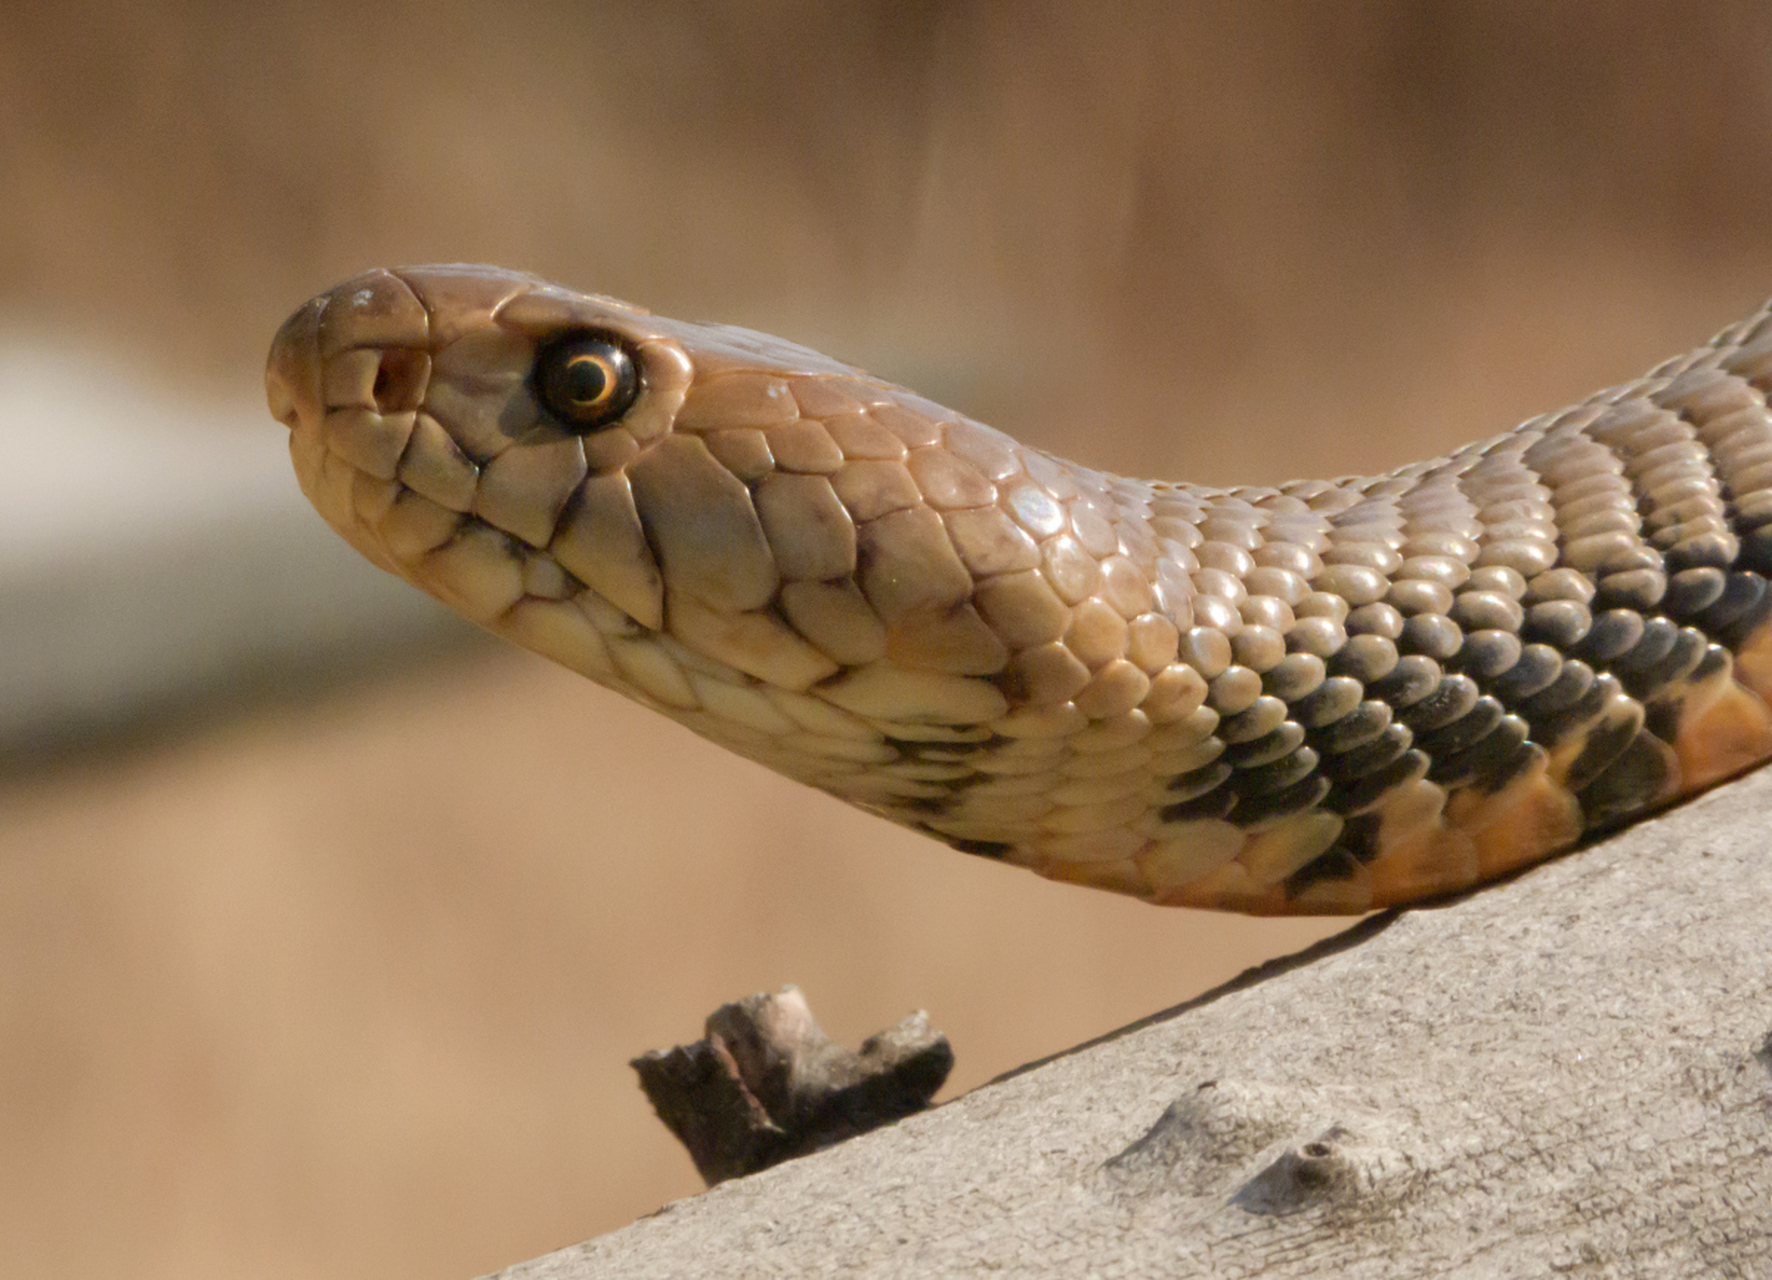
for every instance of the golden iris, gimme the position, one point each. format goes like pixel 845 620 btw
pixel 586 380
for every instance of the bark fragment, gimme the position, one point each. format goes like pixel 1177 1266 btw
pixel 766 1084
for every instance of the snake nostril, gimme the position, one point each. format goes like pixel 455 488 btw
pixel 400 380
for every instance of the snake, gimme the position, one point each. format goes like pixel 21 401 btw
pixel 1318 697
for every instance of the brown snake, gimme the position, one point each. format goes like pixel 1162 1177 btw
pixel 1320 697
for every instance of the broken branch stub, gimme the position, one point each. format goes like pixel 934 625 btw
pixel 767 1084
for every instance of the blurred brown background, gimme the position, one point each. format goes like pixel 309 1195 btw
pixel 344 981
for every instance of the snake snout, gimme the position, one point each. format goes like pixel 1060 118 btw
pixel 292 371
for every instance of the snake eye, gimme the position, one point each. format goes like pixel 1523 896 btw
pixel 586 380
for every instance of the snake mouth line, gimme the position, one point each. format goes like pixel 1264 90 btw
pixel 410 527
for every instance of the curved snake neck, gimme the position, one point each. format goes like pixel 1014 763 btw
pixel 1320 697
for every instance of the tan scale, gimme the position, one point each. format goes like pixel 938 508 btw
pixel 1321 697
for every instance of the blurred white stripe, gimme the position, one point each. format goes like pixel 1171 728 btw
pixel 153 551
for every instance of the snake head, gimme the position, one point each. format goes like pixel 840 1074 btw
pixel 769 545
pixel 417 418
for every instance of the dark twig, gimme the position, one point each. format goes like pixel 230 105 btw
pixel 767 1084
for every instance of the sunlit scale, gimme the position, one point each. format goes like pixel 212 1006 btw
pixel 1322 697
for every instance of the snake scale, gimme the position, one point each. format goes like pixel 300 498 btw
pixel 1319 697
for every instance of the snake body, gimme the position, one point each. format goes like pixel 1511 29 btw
pixel 1320 697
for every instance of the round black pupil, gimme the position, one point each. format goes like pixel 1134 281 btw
pixel 587 378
